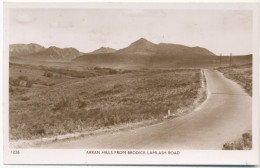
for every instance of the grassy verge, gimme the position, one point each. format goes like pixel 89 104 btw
pixel 87 104
pixel 243 143
pixel 242 74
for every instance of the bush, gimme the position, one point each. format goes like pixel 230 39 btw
pixel 29 84
pixel 48 74
pixel 65 102
pixel 118 86
pixel 11 90
pixel 22 77
pixel 244 143
pixel 15 82
pixel 81 103
pixel 37 129
pixel 25 98
pixel 97 68
pixel 112 71
pixel 51 84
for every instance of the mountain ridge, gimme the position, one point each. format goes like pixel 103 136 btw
pixel 147 53
pixel 103 50
pixel 36 51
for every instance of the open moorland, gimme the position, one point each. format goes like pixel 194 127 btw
pixel 64 93
pixel 48 101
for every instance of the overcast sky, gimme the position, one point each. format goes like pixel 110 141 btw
pixel 220 31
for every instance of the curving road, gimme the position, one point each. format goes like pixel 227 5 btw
pixel 225 116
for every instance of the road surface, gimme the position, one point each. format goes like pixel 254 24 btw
pixel 225 116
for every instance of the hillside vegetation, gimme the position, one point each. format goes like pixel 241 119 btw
pixel 243 143
pixel 70 103
pixel 242 74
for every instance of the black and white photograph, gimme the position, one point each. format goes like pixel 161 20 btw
pixel 118 81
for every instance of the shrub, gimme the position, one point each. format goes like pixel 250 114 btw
pixel 22 77
pixel 112 71
pixel 14 82
pixel 118 86
pixel 81 103
pixel 37 129
pixel 25 98
pixel 244 143
pixel 97 68
pixel 29 84
pixel 48 74
pixel 11 90
pixel 64 104
pixel 51 84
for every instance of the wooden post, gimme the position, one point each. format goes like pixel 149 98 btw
pixel 220 58
pixel 230 57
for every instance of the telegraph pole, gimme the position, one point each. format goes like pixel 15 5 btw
pixel 220 58
pixel 230 59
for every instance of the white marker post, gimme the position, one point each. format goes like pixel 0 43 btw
pixel 169 112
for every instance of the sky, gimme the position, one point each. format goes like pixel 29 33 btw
pixel 220 31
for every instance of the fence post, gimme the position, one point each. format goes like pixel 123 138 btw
pixel 230 59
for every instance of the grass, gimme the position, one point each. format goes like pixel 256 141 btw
pixel 243 143
pixel 96 71
pixel 242 74
pixel 90 103
pixel 25 98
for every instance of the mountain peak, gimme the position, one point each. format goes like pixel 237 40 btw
pixel 53 47
pixel 141 46
pixel 142 40
pixel 104 50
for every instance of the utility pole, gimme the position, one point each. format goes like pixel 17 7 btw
pixel 220 58
pixel 230 59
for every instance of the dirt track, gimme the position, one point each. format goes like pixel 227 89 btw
pixel 225 116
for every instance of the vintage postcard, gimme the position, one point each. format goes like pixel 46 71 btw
pixel 113 83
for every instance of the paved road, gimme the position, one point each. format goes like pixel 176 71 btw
pixel 225 116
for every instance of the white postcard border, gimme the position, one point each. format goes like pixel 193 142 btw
pixel 185 157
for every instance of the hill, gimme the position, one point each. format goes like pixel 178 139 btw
pixel 145 47
pixel 19 50
pixel 141 46
pixel 57 53
pixel 38 52
pixel 103 50
pixel 145 53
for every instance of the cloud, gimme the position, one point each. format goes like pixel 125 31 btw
pixel 61 24
pixel 24 18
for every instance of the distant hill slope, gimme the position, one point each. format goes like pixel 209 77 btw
pixel 141 46
pixel 103 50
pixel 144 52
pixel 35 51
pixel 57 53
pixel 24 49
pixel 145 47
